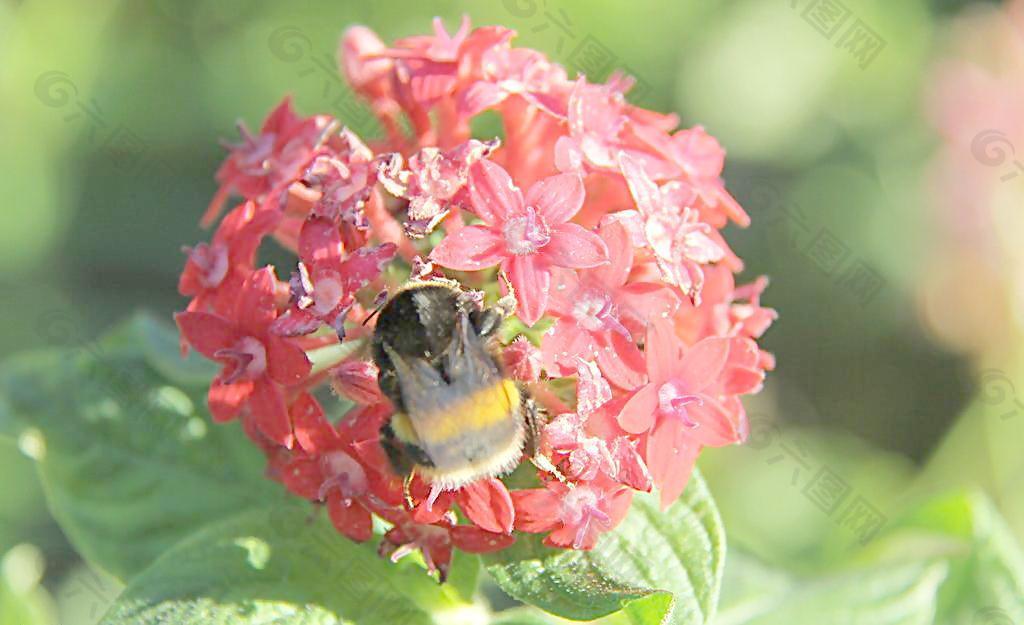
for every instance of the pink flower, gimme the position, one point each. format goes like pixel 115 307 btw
pixel 345 179
pixel 257 363
pixel 598 312
pixel 518 72
pixel 686 401
pixel 583 454
pixel 434 183
pixel 617 236
pixel 574 516
pixel 357 380
pixel 523 360
pixel 326 466
pixel 679 241
pixel 527 237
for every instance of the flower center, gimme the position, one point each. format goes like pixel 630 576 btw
pixel 212 261
pixel 343 473
pixel 255 152
pixel 247 359
pixel 327 292
pixel 672 401
pixel 581 509
pixel 594 311
pixel 527 233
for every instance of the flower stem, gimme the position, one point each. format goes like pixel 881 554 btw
pixel 324 358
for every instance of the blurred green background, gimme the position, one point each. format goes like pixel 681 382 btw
pixel 111 115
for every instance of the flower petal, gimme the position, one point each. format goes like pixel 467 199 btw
pixel 313 431
pixel 352 520
pixel 670 455
pixel 488 504
pixel 531 280
pixel 645 193
pixel 536 509
pixel 638 414
pixel 256 307
pixel 470 248
pixel 475 540
pixel 226 400
pixel 662 348
pixel 620 255
pixel 575 247
pixel 557 198
pixel 206 333
pixel 286 362
pixel 564 284
pixel 492 192
pixel 621 362
pixel 268 409
pixel 703 363
pixel 717 425
pixel 320 241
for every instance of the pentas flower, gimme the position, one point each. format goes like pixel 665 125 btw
pixel 680 243
pixel 687 400
pixel 265 161
pixel 434 182
pixel 599 311
pixel 258 365
pixel 327 466
pixel 526 236
pixel 324 287
pixel 643 344
pixel 574 516
pixel 215 271
pixel 515 73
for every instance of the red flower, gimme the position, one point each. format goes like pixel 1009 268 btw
pixel 435 540
pixel 327 280
pixel 657 375
pixel 527 237
pixel 269 160
pixel 214 272
pixel 257 363
pixel 330 465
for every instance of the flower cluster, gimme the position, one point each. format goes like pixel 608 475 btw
pixel 600 217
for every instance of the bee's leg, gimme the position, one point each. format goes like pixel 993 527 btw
pixel 532 447
pixel 407 489
pixel 507 304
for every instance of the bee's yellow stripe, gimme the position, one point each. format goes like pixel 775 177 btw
pixel 478 411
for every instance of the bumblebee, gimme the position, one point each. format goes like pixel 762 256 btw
pixel 458 417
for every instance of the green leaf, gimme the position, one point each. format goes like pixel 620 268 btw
pixel 891 595
pixel 656 567
pixel 749 588
pixel 8 424
pixel 130 462
pixel 279 566
pixel 986 563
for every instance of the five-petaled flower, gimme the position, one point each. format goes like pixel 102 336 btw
pixel 259 366
pixel 526 236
